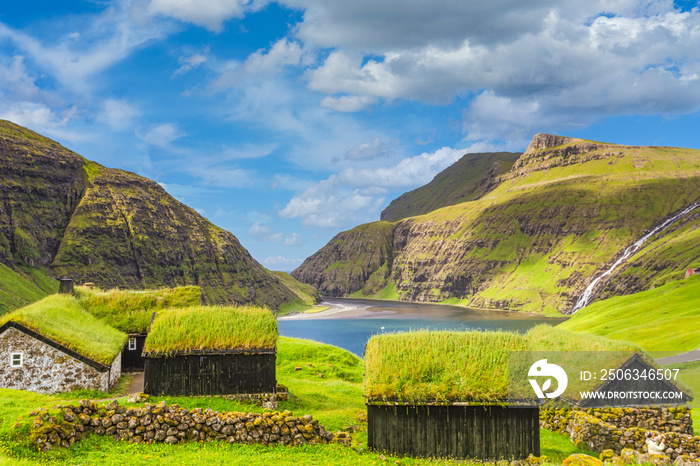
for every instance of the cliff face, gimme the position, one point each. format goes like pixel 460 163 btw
pixel 565 210
pixel 78 219
pixel 468 179
pixel 359 259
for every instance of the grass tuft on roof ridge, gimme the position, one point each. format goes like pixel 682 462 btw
pixel 131 310
pixel 212 328
pixel 61 318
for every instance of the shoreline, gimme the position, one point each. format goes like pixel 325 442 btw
pixel 340 311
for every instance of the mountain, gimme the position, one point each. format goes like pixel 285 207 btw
pixel 563 213
pixel 64 216
pixel 468 179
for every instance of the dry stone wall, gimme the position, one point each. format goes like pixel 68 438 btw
pixel 67 424
pixel 46 369
pixel 676 418
pixel 596 435
pixel 617 429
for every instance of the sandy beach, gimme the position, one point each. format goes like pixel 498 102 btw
pixel 339 310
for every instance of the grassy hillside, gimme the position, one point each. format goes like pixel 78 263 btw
pixel 666 318
pixel 69 217
pixel 359 259
pixel 564 211
pixel 20 287
pixel 307 295
pixel 469 178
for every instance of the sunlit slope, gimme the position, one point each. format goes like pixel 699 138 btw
pixel 660 319
pixel 469 178
pixel 564 211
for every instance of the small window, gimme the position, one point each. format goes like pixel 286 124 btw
pixel 16 360
pixel 132 344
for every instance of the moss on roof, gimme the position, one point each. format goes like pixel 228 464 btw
pixel 461 366
pixel 62 319
pixel 212 328
pixel 130 310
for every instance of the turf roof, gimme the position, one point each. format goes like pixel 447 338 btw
pixel 131 310
pixel 461 366
pixel 212 329
pixel 62 319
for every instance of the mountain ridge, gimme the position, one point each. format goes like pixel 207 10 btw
pixel 472 176
pixel 561 213
pixel 68 216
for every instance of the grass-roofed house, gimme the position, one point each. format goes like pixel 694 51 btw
pixel 211 350
pixel 132 311
pixel 54 345
pixel 446 393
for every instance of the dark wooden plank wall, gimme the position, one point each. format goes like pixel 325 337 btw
pixel 454 431
pixel 132 360
pixel 216 374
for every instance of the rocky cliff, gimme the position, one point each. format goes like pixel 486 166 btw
pixel 65 216
pixel 468 179
pixel 359 259
pixel 564 211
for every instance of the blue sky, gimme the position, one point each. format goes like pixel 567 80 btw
pixel 286 122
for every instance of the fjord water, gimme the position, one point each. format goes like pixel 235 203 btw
pixel 352 333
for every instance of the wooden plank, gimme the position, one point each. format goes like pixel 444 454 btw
pixel 210 374
pixel 483 432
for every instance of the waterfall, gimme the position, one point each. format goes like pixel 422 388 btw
pixel 588 292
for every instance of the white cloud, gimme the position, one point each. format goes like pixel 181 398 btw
pixel 331 205
pixel 283 52
pixel 372 149
pixel 347 103
pixel 281 263
pixel 190 62
pixel 409 172
pixel 105 40
pixel 223 176
pixel 259 230
pixel 162 135
pixel 373 26
pixel 248 151
pixel 207 13
pixel 355 196
pixel 261 64
pixel 263 232
pixel 118 113
pixel 294 239
pixel 543 59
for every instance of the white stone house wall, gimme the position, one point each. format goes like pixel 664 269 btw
pixel 45 369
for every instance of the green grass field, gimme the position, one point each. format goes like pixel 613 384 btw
pixel 328 386
pixel 666 318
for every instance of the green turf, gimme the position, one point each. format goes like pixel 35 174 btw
pixel 212 328
pixel 61 318
pixel 666 318
pixel 466 366
pixel 19 287
pixel 131 311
